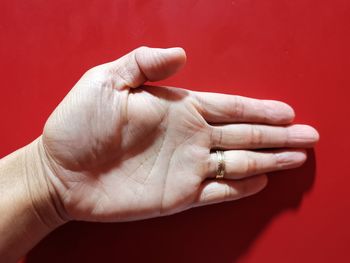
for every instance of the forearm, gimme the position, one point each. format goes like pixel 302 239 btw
pixel 26 211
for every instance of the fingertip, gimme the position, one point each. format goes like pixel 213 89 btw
pixel 287 113
pixel 178 55
pixel 160 63
pixel 264 181
pixel 288 159
pixel 313 133
pixel 300 156
pixel 290 112
pixel 316 135
pixel 256 184
pixel 178 51
pixel 280 112
pixel 305 134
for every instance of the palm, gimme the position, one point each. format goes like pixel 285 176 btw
pixel 132 150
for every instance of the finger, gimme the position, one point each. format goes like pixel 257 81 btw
pixel 146 64
pixel 217 191
pixel 246 136
pixel 223 108
pixel 240 164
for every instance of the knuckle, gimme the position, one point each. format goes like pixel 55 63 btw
pixel 96 78
pixel 237 111
pixel 141 49
pixel 251 165
pixel 266 112
pixel 216 136
pixel 228 192
pixel 286 137
pixel 94 71
pixel 256 135
pixel 209 166
pixel 277 160
pixel 199 103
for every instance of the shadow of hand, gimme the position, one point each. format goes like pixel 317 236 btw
pixel 220 233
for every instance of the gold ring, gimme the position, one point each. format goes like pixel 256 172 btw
pixel 220 171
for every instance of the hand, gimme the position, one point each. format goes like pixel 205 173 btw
pixel 116 150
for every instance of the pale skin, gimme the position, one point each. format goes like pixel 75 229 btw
pixel 117 150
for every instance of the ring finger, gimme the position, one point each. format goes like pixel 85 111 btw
pixel 240 164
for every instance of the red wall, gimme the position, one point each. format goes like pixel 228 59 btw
pixel 296 51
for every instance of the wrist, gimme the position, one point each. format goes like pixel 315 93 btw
pixel 36 171
pixel 27 201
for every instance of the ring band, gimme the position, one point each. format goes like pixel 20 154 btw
pixel 220 172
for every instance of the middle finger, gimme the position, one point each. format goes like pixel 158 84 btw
pixel 251 136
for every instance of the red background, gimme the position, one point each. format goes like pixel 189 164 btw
pixel 296 51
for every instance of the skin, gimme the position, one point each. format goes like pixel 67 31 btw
pixel 117 150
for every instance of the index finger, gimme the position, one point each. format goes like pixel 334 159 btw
pixel 224 108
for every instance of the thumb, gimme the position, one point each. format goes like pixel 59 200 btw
pixel 147 64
